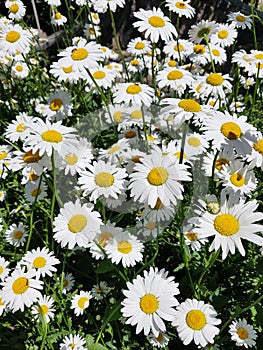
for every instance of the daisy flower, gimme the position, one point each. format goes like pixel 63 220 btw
pixel 161 341
pixel 53 2
pixel 4 270
pixel 17 9
pixel 195 320
pixel 158 177
pixel 116 151
pixel 104 5
pixel 2 305
pixel 157 214
pixel 17 129
pixel 99 290
pixel 20 70
pixel 150 300
pixel 193 239
pixel 181 8
pixel 44 308
pixel 175 78
pixel 21 289
pixel 200 54
pixel 2 195
pixel 75 342
pixel 68 282
pixel 102 179
pixel 65 72
pixel 35 191
pixel 202 29
pixel 103 76
pixel 155 25
pixel 13 38
pixel 216 84
pixel 41 260
pixel 225 36
pixel 124 248
pixel 16 235
pixel 229 131
pixel 138 46
pixel 76 224
pixel 59 105
pixel 224 157
pixel 218 54
pixel 58 19
pixel 178 49
pixel 136 65
pixel 256 155
pixel 80 302
pixel 242 333
pixel 234 221
pixel 133 93
pixel 240 20
pixel 47 136
pixel 243 59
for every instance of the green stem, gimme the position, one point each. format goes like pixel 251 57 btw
pixel 210 263
pixel 210 53
pixel 254 27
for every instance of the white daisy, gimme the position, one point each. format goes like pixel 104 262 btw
pixel 16 235
pixel 58 19
pixel 20 70
pixel 17 128
pixel 75 342
pixel 203 29
pixel 161 341
pixel 35 190
pixel 216 84
pixel 44 308
pixel 80 302
pixel 17 9
pixel 193 239
pixel 138 46
pixel 243 333
pixel 133 93
pixel 68 282
pixel 104 5
pixel 181 8
pixel 178 49
pixel 103 77
pixel 99 290
pixel 175 78
pixel 13 39
pixel 225 36
pixel 4 270
pixel 240 20
pixel 256 155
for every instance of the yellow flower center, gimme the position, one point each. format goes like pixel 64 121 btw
pixel 124 247
pixel 39 262
pixel 19 68
pixel 199 49
pixel 259 56
pixel 104 237
pixel 29 157
pixel 259 146
pixel 58 15
pixel 220 162
pixel 82 301
pixel 140 45
pixel 156 22
pixel 20 127
pixel 133 89
pixel 52 136
pixel 44 309
pixel 35 192
pixel 18 234
pixel 192 236
pixel 32 176
pixel 113 149
pixel 77 223
pixel 178 47
pixel 215 79
pixel 172 63
pixel 159 338
pixel 136 114
pixel 180 5
pixel 72 345
pixel 67 69
pixel 259 65
pixel 71 159
pixel 223 34
pixel 104 179
pixel 150 226
pixel 242 333
pixel 1 302
pixel 135 62
pixel 194 141
pixel 237 180
pixel 149 303
pixel 174 75
pixel 241 18
pixel 3 154
pixel 20 285
pixel 65 283
pixel 56 104
pixel 231 130
pixel 178 154
pixel 14 8
pixel 117 116
pixel 216 52
pixel 130 134
pixel 79 54
pixel 157 176
pixel 190 105
pixel 1 270
pixel 12 36
pixel 91 31
pixel 158 204
pixel 99 74
pixel 196 319
pixel 226 224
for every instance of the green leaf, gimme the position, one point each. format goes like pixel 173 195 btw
pixel 104 266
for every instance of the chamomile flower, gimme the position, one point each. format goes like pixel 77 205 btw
pixel 16 235
pixel 243 333
pixel 21 289
pixel 76 224
pixel 216 84
pixel 80 302
pixel 150 300
pixel 181 8
pixel 202 29
pixel 100 290
pixel 234 221
pixel 155 25
pixel 133 93
pixel 240 20
pixel 4 270
pixel 41 260
pixel 13 38
pixel 225 36
pixel 160 341
pixel 175 78
pixel 158 177
pixel 196 321
pixel 75 342
pixel 44 308
pixel 139 46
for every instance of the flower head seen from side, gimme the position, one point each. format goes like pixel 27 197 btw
pixel 44 308
pixel 21 289
pixel 150 300
pixel 242 333
pixel 196 321
pixel 234 221
pixel 80 302
pixel 239 20
pixel 161 341
pixel 203 29
pixel 155 25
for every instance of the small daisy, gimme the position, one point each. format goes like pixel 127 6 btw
pixel 17 9
pixel 193 239
pixel 175 78
pixel 16 235
pixel 68 282
pixel 21 289
pixel 216 84
pixel 41 260
pixel 103 77
pixel 218 54
pixel 234 221
pixel 65 72
pixel 44 308
pixel 240 20
pixel 75 342
pixel 203 28
pixel 136 65
pixel 257 151
pixel 4 270
pixel 161 341
pixel 116 151
pixel 35 190
pixel 155 25
pixel 195 320
pixel 17 128
pixel 134 93
pixel 20 70
pixel 100 290
pixel 138 46
pixel 157 214
pixel 104 5
pixel 181 8
pixel 58 19
pixel 225 36
pixel 76 224
pixel 59 103
pixel 200 55
pixel 178 49
pixel 242 333
pixel 2 195
pixel 80 302
pixel 224 157
pixel 243 59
